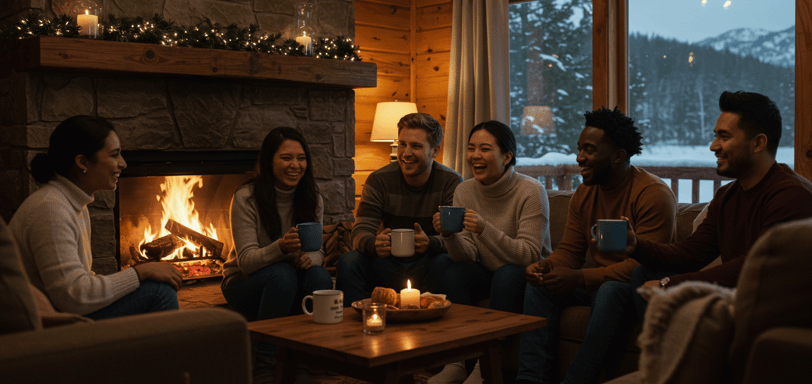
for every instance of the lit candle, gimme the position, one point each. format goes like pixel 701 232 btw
pixel 304 40
pixel 88 22
pixel 374 321
pixel 409 296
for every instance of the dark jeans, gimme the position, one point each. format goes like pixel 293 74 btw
pixel 150 296
pixel 274 291
pixel 467 283
pixel 640 275
pixel 611 319
pixel 357 274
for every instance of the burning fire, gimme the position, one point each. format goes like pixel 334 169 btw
pixel 176 201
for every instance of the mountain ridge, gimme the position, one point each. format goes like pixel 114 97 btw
pixel 773 47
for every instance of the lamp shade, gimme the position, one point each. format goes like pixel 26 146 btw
pixel 537 120
pixel 387 115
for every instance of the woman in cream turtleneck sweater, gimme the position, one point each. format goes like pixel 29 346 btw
pixel 506 228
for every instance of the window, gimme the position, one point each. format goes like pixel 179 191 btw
pixel 684 54
pixel 550 74
pixel 642 92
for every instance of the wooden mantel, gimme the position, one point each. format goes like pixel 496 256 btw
pixel 96 56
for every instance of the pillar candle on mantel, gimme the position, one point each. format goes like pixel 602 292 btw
pixel 305 41
pixel 88 22
pixel 409 296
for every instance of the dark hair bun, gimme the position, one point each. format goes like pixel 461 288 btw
pixel 42 168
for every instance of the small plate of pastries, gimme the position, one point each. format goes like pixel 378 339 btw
pixel 432 306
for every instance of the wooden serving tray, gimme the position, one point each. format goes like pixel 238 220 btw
pixel 406 315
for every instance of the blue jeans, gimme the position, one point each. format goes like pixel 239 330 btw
pixel 538 351
pixel 357 274
pixel 150 296
pixel 467 283
pixel 274 291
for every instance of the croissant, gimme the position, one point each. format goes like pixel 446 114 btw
pixel 384 295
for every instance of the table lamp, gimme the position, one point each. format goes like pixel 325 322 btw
pixel 537 120
pixel 385 126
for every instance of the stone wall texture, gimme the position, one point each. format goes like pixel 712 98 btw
pixel 180 113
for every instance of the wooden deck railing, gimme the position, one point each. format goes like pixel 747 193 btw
pixel 562 176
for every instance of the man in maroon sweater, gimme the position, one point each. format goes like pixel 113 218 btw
pixel 764 193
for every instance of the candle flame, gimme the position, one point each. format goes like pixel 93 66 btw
pixel 86 12
pixel 409 284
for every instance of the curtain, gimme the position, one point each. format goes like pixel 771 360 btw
pixel 478 84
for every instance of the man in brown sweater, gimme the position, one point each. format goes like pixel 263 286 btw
pixel 764 193
pixel 611 188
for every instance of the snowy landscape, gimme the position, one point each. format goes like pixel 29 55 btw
pixel 674 80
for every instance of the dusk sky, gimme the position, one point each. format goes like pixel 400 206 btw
pixel 691 21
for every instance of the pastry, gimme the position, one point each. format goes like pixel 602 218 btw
pixel 385 295
pixel 428 300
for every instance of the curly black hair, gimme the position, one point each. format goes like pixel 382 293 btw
pixel 618 128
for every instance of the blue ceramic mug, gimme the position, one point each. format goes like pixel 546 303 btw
pixel 451 219
pixel 611 235
pixel 310 235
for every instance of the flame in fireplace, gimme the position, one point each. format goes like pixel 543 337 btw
pixel 176 200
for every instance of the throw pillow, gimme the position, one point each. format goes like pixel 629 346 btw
pixel 686 334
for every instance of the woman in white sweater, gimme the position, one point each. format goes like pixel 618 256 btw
pixel 506 228
pixel 52 228
pixel 266 275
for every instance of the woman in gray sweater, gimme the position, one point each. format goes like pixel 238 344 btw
pixel 266 274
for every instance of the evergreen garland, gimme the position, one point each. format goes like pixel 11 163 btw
pixel 159 31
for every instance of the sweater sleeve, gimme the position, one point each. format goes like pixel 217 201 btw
pixel 786 205
pixel 526 248
pixel 318 256
pixel 54 231
pixel 654 219
pixel 244 229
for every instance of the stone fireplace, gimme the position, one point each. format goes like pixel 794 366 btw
pixel 172 123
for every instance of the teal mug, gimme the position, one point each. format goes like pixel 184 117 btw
pixel 611 235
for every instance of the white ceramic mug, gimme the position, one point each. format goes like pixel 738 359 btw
pixel 402 242
pixel 328 306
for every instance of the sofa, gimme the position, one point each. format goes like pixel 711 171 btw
pixel 761 332
pixel 574 320
pixel 41 345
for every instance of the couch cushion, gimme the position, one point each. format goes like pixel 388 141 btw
pixel 559 208
pixel 686 213
pixel 16 302
pixel 686 334
pixel 773 287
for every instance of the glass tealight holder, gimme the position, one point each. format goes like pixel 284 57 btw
pixel 89 17
pixel 374 318
pixel 304 27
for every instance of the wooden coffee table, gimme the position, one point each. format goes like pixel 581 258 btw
pixel 402 349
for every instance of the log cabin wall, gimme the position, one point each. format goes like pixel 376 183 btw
pixel 410 41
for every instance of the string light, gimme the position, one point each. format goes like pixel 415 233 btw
pixel 162 32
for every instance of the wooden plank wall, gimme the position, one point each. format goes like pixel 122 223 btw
pixel 410 41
